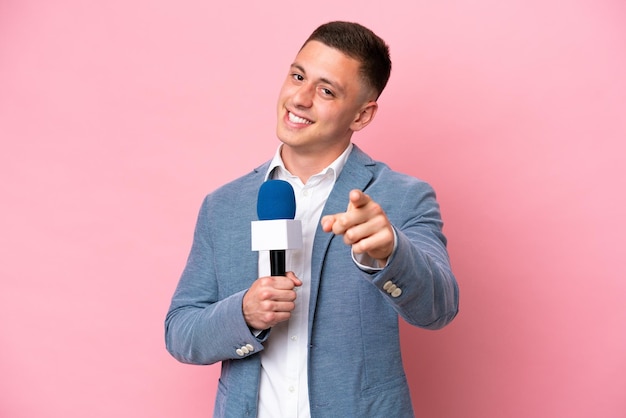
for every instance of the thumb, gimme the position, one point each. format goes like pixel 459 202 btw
pixel 294 278
pixel 327 223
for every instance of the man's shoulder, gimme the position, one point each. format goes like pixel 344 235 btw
pixel 238 193
pixel 383 172
pixel 382 175
pixel 251 180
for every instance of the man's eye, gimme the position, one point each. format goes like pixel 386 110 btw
pixel 297 77
pixel 327 92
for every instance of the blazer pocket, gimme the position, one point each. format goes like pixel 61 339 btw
pixel 398 384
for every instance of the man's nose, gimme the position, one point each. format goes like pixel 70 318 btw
pixel 303 96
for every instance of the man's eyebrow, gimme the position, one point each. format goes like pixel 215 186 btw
pixel 298 67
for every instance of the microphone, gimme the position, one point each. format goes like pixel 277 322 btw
pixel 276 230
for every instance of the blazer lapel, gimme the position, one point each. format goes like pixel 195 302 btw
pixel 356 174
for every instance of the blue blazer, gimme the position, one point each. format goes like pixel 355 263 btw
pixel 354 363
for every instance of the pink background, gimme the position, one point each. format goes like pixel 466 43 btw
pixel 117 117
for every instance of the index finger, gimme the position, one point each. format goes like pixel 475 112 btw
pixel 358 199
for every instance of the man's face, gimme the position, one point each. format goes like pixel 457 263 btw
pixel 322 101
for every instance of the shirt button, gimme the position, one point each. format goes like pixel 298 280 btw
pixel 294 338
pixel 291 389
pixel 305 192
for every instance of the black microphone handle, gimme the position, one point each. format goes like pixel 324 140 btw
pixel 277 262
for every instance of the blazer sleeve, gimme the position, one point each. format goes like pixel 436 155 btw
pixel 418 280
pixel 203 324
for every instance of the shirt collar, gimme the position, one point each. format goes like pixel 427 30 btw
pixel 335 167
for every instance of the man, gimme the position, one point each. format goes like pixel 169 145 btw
pixel 323 340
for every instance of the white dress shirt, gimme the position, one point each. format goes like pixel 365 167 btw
pixel 283 391
pixel 283 388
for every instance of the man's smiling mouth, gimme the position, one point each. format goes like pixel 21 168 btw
pixel 297 119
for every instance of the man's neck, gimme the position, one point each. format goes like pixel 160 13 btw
pixel 306 165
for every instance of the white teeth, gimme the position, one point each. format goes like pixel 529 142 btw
pixel 296 119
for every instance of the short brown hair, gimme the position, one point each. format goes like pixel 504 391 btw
pixel 360 43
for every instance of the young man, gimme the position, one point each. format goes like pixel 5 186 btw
pixel 323 340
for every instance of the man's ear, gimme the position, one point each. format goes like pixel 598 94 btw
pixel 365 116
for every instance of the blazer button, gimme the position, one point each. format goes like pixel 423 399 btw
pixel 250 347
pixel 387 285
pixel 397 292
pixel 239 352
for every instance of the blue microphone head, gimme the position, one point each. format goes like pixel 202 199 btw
pixel 276 201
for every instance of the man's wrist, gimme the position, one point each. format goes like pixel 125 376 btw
pixel 371 265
